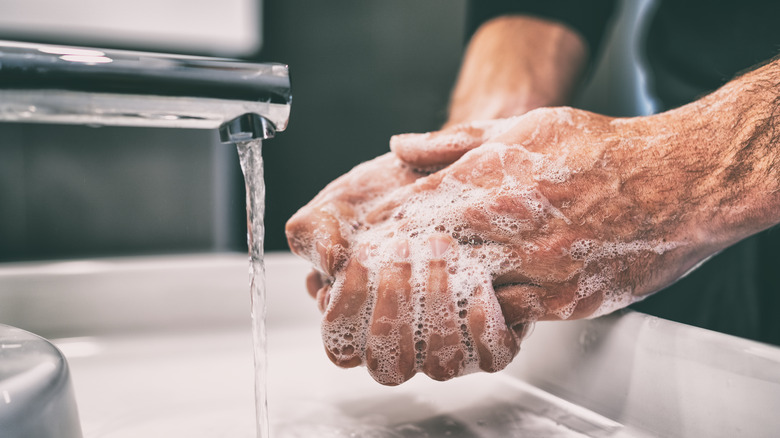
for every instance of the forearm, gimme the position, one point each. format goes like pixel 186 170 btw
pixel 514 64
pixel 716 161
pixel 751 104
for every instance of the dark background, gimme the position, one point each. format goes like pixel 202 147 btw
pixel 361 72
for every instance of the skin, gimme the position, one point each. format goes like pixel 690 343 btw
pixel 514 64
pixel 555 214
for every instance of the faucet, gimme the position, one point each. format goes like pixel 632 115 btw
pixel 86 86
pixel 76 85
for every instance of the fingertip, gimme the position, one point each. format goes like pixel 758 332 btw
pixel 439 244
pixel 520 303
pixel 315 234
pixel 323 298
pixel 588 305
pixel 436 149
pixel 441 364
pixel 401 249
pixel 332 254
pixel 342 359
pixel 297 232
pixel 522 330
pixel 314 282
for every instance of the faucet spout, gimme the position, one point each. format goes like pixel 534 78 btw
pixel 246 127
pixel 55 84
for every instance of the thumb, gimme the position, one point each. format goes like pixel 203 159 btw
pixel 521 306
pixel 437 149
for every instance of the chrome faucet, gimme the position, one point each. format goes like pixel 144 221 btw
pixel 75 85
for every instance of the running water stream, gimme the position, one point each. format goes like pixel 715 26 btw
pixel 250 154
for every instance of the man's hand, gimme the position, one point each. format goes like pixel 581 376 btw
pixel 445 273
pixel 628 205
pixel 321 232
pixel 569 214
pixel 557 214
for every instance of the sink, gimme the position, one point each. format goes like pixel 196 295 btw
pixel 161 347
pixel 36 394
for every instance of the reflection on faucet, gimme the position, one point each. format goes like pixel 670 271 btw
pixel 44 83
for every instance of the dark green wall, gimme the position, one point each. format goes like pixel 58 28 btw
pixel 361 72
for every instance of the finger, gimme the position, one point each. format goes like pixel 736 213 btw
pixel 314 282
pixel 390 355
pixel 346 316
pixel 588 305
pixel 383 212
pixel 323 298
pixel 440 148
pixel 366 180
pixel 495 344
pixel 444 356
pixel 527 303
pixel 391 206
pixel 520 305
pixel 321 230
pixel 437 149
pixel 559 300
pixel 315 234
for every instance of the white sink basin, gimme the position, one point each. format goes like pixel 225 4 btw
pixel 36 394
pixel 200 385
pixel 161 347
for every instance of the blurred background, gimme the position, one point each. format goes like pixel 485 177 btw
pixel 361 72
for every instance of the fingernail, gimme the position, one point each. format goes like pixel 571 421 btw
pixel 314 282
pixel 324 251
pixel 409 140
pixel 439 245
pixel 323 298
pixel 331 257
pixel 402 249
pixel 363 253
